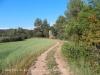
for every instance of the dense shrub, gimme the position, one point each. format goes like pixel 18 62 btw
pixel 74 52
pixel 13 38
pixel 83 57
pixel 4 39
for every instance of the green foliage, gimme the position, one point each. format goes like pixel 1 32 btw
pixel 73 31
pixel 45 28
pixel 15 34
pixel 83 29
pixel 95 7
pixel 4 39
pixel 83 15
pixel 41 28
pixel 74 7
pixel 84 53
pixel 92 35
pixel 74 16
pixel 38 23
pixel 74 52
pixel 54 32
pixel 85 60
pixel 58 27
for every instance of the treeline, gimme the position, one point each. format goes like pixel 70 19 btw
pixel 41 29
pixel 81 26
pixel 58 28
pixel 19 34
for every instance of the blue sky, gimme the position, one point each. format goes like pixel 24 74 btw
pixel 22 13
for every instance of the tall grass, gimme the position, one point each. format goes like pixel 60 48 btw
pixel 51 63
pixel 19 55
pixel 81 60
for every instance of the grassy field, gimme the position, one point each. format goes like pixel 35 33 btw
pixel 20 55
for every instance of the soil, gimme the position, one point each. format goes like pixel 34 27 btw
pixel 62 63
pixel 40 66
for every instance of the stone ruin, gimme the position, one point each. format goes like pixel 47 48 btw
pixel 50 35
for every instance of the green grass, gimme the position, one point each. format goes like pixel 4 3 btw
pixel 21 54
pixel 51 63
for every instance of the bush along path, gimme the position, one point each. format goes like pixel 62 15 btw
pixel 50 62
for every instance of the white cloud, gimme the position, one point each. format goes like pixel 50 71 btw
pixel 29 28
pixel 4 28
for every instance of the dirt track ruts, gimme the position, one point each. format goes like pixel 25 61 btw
pixel 40 67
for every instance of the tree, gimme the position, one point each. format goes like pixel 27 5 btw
pixel 54 32
pixel 95 7
pixel 92 35
pixel 37 29
pixel 45 28
pixel 58 27
pixel 38 23
pixel 74 7
pixel 41 28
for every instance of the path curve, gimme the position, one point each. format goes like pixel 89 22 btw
pixel 62 64
pixel 40 67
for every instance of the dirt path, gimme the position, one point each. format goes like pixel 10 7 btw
pixel 40 67
pixel 62 64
